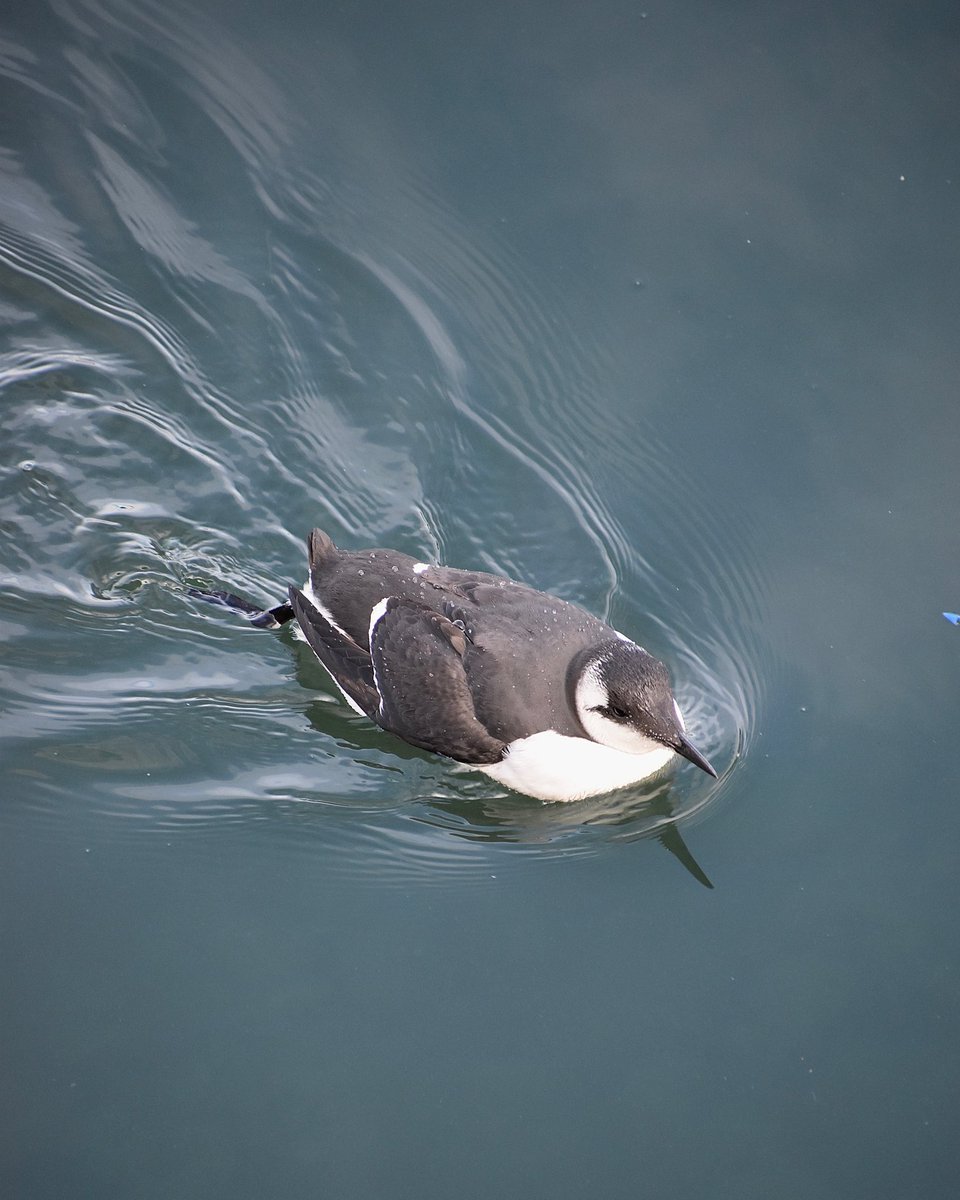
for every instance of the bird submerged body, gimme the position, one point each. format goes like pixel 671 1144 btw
pixel 526 687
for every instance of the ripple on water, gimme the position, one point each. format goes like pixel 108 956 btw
pixel 357 358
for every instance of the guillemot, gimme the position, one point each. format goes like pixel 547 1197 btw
pixel 528 688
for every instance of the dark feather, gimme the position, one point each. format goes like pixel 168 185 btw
pixel 424 694
pixel 348 663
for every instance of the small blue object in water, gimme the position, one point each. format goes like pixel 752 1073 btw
pixel 953 618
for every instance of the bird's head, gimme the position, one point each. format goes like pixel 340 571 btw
pixel 623 699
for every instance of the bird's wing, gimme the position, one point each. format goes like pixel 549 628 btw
pixel 418 665
pixel 348 664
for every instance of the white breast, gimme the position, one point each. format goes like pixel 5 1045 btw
pixel 553 767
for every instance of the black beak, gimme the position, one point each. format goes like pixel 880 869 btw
pixel 689 751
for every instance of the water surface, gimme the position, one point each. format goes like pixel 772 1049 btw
pixel 654 309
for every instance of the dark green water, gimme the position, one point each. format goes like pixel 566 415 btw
pixel 656 309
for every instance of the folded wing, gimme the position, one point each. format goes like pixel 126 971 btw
pixel 418 664
pixel 347 663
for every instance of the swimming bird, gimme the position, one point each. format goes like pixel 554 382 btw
pixel 528 688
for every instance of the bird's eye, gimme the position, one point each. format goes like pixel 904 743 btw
pixel 618 713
